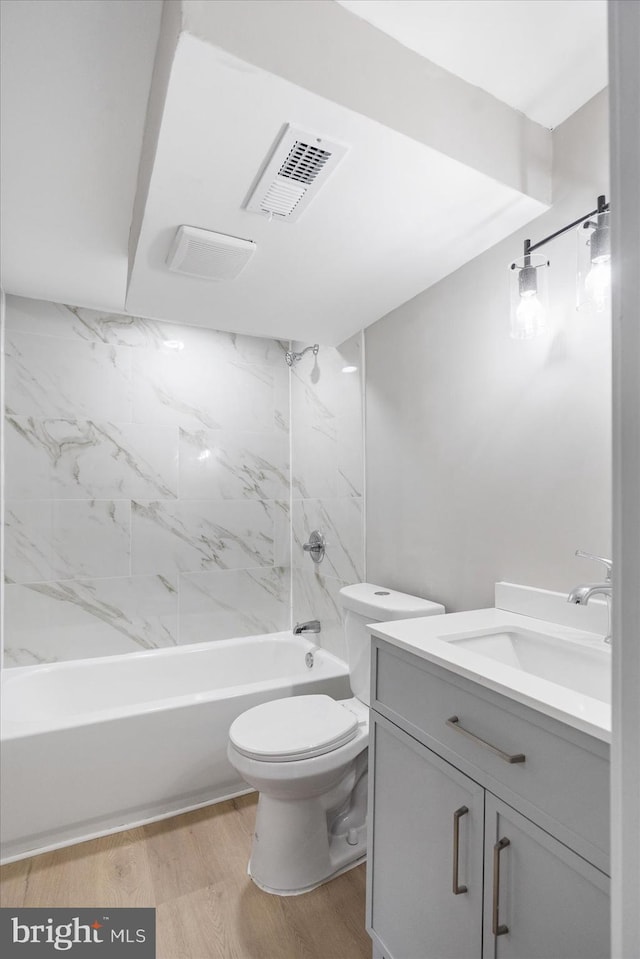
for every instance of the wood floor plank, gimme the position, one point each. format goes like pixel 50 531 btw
pixel 111 871
pixel 193 869
pixel 191 852
pixel 344 900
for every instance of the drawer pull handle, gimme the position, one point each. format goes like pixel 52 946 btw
pixel 454 723
pixel 457 816
pixel 496 928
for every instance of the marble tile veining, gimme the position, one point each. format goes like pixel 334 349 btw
pixel 73 380
pixel 117 329
pixel 195 388
pixel 66 539
pixel 341 521
pixel 315 462
pixel 327 425
pixel 75 459
pixel 193 535
pixel 328 484
pixel 318 597
pixel 28 548
pixel 75 619
pixel 230 464
pixel 159 477
pixel 221 604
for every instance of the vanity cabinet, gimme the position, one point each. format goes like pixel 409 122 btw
pixel 416 796
pixel 471 855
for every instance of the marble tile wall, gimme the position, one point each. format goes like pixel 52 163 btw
pixel 147 484
pixel 327 482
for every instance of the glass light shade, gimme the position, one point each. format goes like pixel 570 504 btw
pixel 594 264
pixel 529 296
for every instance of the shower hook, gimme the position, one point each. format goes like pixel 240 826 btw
pixel 292 357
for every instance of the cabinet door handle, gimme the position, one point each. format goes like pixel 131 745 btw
pixel 496 928
pixel 457 816
pixel 454 723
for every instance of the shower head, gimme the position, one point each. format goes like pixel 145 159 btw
pixel 292 357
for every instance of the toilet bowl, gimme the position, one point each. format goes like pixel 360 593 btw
pixel 307 757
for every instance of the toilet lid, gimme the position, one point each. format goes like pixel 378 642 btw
pixel 296 728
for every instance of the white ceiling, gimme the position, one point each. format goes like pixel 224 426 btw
pixel 545 58
pixel 75 79
pixel 397 215
pixel 393 218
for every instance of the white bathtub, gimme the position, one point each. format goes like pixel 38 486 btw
pixel 99 745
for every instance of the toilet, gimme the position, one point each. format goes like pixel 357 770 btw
pixel 307 757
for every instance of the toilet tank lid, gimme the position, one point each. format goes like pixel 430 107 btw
pixel 382 604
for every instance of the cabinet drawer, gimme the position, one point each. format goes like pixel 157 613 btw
pixel 564 775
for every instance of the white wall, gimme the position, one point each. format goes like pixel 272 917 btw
pixel 489 458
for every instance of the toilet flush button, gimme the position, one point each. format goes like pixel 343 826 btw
pixel 352 837
pixel 382 592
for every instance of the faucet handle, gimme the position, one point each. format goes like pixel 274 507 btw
pixel 598 559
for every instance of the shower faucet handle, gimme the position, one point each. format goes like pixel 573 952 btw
pixel 316 546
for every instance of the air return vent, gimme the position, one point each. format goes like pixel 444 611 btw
pixel 298 166
pixel 211 256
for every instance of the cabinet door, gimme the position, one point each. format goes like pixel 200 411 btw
pixel 417 809
pixel 552 904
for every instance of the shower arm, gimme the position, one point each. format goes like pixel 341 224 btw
pixel 292 357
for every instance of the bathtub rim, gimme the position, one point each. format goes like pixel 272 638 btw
pixel 18 729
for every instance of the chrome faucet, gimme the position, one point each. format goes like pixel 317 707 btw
pixel 580 595
pixel 312 626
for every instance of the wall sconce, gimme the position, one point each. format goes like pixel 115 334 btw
pixel 529 295
pixel 529 273
pixel 594 260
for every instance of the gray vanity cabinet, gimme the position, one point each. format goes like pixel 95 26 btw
pixel 417 797
pixel 465 859
pixel 553 903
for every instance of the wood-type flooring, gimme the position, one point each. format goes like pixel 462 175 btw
pixel 193 869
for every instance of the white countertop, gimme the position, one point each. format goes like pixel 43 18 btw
pixel 427 637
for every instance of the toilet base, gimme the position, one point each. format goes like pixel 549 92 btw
pixel 300 844
pixel 362 858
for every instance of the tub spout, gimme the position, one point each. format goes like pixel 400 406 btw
pixel 312 626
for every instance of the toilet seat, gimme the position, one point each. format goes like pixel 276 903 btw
pixel 300 727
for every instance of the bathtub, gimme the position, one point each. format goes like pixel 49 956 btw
pixel 95 746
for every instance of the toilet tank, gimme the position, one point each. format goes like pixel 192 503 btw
pixel 365 603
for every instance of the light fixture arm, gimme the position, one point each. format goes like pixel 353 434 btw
pixel 529 248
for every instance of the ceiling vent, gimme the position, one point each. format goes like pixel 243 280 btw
pixel 297 167
pixel 211 256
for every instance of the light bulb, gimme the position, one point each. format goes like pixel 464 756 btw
pixel 529 318
pixel 598 283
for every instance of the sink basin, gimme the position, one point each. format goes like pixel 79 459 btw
pixel 583 668
pixel 534 648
